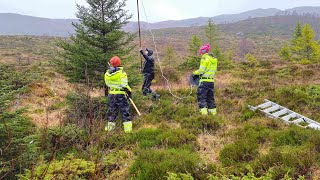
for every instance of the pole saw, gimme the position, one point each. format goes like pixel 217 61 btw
pixel 134 105
pixel 139 27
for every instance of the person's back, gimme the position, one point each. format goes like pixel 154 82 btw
pixel 210 63
pixel 117 81
pixel 114 78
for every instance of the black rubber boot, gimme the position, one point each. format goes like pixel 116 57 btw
pixel 155 96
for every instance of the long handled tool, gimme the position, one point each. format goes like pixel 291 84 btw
pixel 139 27
pixel 134 105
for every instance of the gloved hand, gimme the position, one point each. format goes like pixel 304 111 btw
pixel 195 77
pixel 129 93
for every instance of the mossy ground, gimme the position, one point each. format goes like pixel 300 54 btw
pixel 171 140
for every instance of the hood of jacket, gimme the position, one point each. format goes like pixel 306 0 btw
pixel 150 52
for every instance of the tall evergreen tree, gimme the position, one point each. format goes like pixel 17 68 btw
pixel 211 37
pixel 210 31
pixel 99 36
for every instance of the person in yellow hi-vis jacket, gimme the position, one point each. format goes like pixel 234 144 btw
pixel 117 81
pixel 207 70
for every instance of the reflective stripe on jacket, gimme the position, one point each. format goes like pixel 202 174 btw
pixel 117 81
pixel 208 68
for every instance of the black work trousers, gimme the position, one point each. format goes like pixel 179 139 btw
pixel 146 87
pixel 206 95
pixel 118 103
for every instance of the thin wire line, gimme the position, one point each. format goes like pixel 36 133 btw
pixel 169 86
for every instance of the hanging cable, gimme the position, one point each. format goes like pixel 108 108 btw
pixel 169 87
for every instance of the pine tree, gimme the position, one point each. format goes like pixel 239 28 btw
pixel 285 52
pixel 14 126
pixel 303 46
pixel 211 37
pixel 99 36
pixel 297 32
pixel 311 49
pixel 297 43
pixel 194 46
pixel 211 32
pixel 217 52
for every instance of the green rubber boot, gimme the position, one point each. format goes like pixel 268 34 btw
pixel 127 126
pixel 204 111
pixel 110 126
pixel 213 111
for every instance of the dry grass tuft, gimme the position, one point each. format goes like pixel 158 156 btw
pixel 41 99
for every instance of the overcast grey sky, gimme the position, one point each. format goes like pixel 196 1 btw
pixel 157 10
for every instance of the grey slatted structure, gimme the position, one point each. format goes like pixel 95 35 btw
pixel 277 111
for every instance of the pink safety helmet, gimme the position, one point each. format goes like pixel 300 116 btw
pixel 206 48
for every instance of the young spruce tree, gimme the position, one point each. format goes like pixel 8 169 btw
pixel 297 33
pixel 311 48
pixel 15 127
pixel 210 31
pixel 98 37
pixel 211 37
pixel 304 48
pixel 194 57
pixel 297 43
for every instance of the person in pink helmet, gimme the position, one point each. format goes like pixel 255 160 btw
pixel 206 72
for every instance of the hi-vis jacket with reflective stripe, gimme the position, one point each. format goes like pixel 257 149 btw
pixel 117 81
pixel 208 68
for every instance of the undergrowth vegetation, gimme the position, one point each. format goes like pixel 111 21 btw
pixel 153 164
pixel 171 140
pixel 166 141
